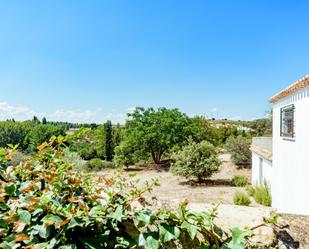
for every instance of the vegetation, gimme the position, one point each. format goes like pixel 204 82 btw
pixel 40 133
pixel 65 209
pixel 156 131
pixel 108 129
pixel 250 190
pixel 98 142
pixel 96 164
pixel 17 158
pixel 239 181
pixel 198 160
pixel 12 132
pixel 262 195
pixel 239 147
pixel 262 127
pixel 73 158
pixel 150 135
pixel 125 155
pixel 241 198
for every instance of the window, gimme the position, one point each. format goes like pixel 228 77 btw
pixel 287 121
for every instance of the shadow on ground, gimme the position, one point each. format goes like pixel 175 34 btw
pixel 207 182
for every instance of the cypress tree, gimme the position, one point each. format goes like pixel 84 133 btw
pixel 108 140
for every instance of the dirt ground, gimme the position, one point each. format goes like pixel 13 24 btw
pixel 298 229
pixel 213 191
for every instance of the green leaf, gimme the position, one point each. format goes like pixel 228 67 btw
pixel 149 240
pixel 47 196
pixel 75 222
pixel 45 232
pixel 97 242
pixel 10 189
pixel 10 245
pixel 238 236
pixel 192 229
pixel 117 215
pixel 52 218
pixel 122 242
pixel 3 223
pixel 68 247
pixel 144 217
pixel 3 206
pixel 168 232
pixel 24 217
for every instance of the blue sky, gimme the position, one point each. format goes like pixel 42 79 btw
pixel 95 60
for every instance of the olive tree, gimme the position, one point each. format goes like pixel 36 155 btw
pixel 198 160
pixel 156 131
pixel 239 147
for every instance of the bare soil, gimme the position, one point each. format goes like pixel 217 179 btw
pixel 173 188
pixel 298 228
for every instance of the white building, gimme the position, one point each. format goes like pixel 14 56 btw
pixel 284 161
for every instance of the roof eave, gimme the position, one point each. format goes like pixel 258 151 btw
pixel 291 89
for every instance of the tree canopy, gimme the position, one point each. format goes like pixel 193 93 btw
pixel 156 131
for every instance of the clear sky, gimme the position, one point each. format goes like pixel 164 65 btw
pixel 95 60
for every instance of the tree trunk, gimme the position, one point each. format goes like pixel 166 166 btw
pixel 154 158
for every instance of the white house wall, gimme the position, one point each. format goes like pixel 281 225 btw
pixel 266 169
pixel 290 182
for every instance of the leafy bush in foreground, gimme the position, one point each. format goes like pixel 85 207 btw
pixel 239 147
pixel 196 160
pixel 241 198
pixel 239 181
pixel 45 204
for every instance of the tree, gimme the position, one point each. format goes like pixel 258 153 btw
pixel 14 133
pixel 156 131
pixel 198 160
pixel 108 140
pixel 239 147
pixel 262 126
pixel 117 135
pixel 44 121
pixel 202 130
pixel 41 133
pixel 35 119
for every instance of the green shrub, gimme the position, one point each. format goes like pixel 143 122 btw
pixel 241 198
pixel 239 147
pixel 74 159
pixel 239 181
pixel 96 164
pixel 47 205
pixel 17 158
pixel 262 195
pixel 198 160
pixel 125 155
pixel 250 190
pixel 88 152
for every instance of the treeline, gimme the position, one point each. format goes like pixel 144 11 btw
pixel 29 134
pixel 149 135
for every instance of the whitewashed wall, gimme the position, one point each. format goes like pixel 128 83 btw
pixel 290 181
pixel 266 170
